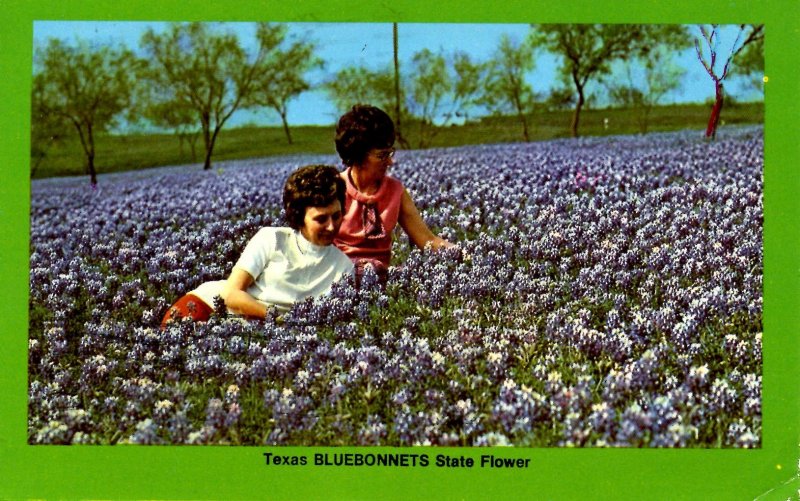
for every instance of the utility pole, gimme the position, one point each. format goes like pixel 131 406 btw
pixel 400 139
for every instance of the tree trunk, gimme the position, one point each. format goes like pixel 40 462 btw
pixel 713 121
pixel 90 155
pixel 576 116
pixel 35 167
pixel 87 142
pixel 286 127
pixel 210 149
pixel 517 101
pixel 207 161
pixel 397 127
pixel 90 168
pixel 524 126
pixel 208 141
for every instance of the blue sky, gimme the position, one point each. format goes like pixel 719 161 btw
pixel 370 44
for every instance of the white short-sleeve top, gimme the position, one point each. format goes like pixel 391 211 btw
pixel 285 267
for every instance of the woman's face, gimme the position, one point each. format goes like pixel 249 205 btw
pixel 321 224
pixel 377 162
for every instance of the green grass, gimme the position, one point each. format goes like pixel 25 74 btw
pixel 137 151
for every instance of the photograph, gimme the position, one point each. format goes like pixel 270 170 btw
pixel 327 257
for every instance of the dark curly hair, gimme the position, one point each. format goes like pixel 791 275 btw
pixel 360 130
pixel 311 186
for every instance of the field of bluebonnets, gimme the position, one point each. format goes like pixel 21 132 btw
pixel 606 292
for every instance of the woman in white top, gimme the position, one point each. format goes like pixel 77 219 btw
pixel 280 266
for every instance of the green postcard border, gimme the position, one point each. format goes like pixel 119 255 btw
pixel 138 472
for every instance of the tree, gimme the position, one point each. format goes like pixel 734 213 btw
pixel 281 77
pixel 430 83
pixel 469 83
pixel 442 88
pixel 587 51
pixel 359 85
pixel 47 129
pixel 87 87
pixel 657 74
pixel 194 68
pixel 506 86
pixel 751 34
pixel 560 98
pixel 182 121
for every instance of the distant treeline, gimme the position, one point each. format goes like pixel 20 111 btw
pixel 138 151
pixel 194 77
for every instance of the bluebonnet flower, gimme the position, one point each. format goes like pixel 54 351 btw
pixel 146 433
pixel 605 291
pixel 492 439
pixel 518 409
pixel 373 432
pixel 634 426
pixel 741 435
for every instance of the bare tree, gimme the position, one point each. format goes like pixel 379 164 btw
pixel 751 34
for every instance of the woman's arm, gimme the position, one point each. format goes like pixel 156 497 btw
pixel 236 297
pixel 412 223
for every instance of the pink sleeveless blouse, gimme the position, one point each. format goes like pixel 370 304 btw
pixel 369 220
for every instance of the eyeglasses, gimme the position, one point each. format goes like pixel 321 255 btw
pixel 383 155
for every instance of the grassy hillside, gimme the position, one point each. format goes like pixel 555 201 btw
pixel 118 153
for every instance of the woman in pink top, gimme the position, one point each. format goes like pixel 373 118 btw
pixel 375 201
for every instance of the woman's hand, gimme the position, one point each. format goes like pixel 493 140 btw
pixel 236 297
pixel 441 243
pixel 412 223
